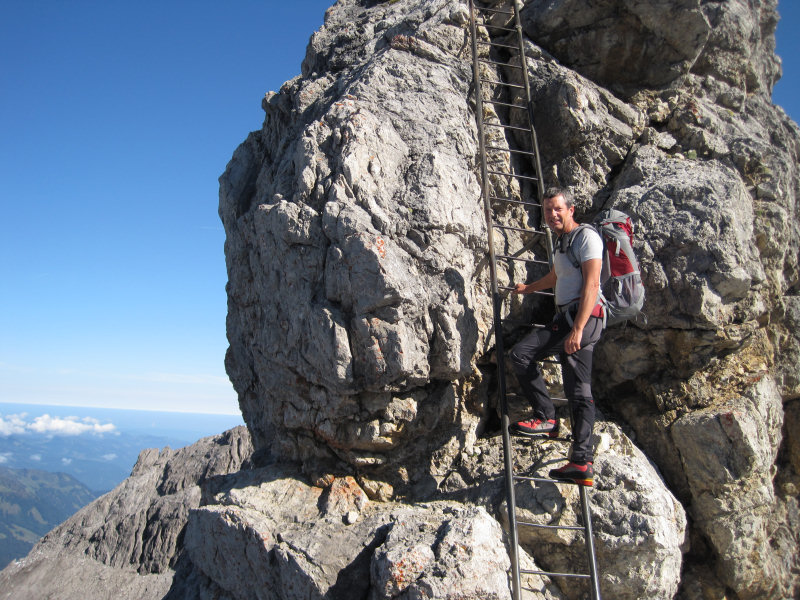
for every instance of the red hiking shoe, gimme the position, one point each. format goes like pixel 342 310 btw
pixel 535 428
pixel 578 474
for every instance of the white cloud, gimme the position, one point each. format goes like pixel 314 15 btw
pixel 69 425
pixel 36 457
pixel 109 457
pixel 19 424
pixel 66 461
pixel 4 456
pixel 12 424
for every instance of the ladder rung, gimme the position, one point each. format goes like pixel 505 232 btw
pixel 498 45
pixel 519 258
pixel 497 11
pixel 505 287
pixel 513 127
pixel 551 574
pixel 528 177
pixel 498 27
pixel 540 526
pixel 503 103
pixel 544 480
pixel 513 201
pixel 511 150
pixel 511 85
pixel 499 64
pixel 522 229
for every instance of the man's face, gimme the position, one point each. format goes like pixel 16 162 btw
pixel 557 215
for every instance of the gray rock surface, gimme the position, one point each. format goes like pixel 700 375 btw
pixel 625 45
pixel 271 536
pixel 266 533
pixel 684 138
pixel 728 452
pixel 353 229
pixel 360 324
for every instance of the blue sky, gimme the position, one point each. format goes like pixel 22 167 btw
pixel 117 119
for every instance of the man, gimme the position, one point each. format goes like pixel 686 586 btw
pixel 572 334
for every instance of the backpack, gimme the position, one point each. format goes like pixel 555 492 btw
pixel 621 285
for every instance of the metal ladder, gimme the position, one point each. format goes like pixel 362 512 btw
pixel 521 157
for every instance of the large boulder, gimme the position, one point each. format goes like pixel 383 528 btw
pixel 625 45
pixel 354 244
pixel 269 535
pixel 728 452
pixel 640 528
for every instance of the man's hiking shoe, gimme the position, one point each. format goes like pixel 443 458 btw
pixel 535 428
pixel 580 474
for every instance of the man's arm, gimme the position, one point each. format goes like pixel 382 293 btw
pixel 591 285
pixel 546 282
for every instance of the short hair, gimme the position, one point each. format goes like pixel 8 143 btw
pixel 554 191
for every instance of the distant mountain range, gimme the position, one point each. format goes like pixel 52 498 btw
pixel 32 502
pixel 100 462
pixel 56 459
pixel 97 446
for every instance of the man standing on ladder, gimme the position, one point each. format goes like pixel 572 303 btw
pixel 572 334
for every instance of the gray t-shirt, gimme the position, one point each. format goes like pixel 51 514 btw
pixel 586 245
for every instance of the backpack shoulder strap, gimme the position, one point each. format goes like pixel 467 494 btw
pixel 571 238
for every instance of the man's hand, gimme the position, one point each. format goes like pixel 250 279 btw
pixel 573 342
pixel 548 281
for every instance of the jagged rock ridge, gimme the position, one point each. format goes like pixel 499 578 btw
pixel 360 326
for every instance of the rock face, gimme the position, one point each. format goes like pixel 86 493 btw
pixel 354 245
pixel 359 316
pixel 360 324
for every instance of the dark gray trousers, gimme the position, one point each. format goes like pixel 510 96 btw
pixel 576 369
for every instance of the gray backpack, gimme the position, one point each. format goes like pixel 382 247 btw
pixel 620 281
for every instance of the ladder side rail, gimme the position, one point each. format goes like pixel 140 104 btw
pixel 497 303
pixel 534 141
pixel 589 538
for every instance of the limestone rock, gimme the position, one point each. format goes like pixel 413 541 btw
pixel 737 50
pixel 728 453
pixel 622 44
pixel 254 547
pixel 353 237
pixel 702 216
pixel 789 348
pixel 51 574
pixel 586 131
pixel 359 318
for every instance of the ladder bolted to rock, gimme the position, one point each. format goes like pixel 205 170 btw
pixel 503 87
